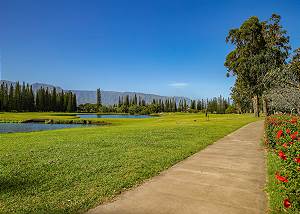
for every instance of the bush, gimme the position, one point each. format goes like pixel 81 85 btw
pixel 282 139
pixel 230 110
pixel 134 109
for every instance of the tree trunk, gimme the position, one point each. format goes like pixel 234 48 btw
pixel 255 101
pixel 239 109
pixel 265 106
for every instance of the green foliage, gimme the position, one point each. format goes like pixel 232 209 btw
pixel 136 105
pixel 295 63
pixel 99 98
pixel 217 105
pixel 261 47
pixel 230 110
pixel 23 99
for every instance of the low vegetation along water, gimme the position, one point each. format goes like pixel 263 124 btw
pixel 112 116
pixel 29 127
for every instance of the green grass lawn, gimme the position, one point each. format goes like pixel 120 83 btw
pixel 72 170
pixel 275 194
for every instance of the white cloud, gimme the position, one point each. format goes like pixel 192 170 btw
pixel 179 84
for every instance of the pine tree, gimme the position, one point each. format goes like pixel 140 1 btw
pixel 74 103
pixel 53 100
pixel 11 101
pixel 31 103
pixel 185 107
pixel 2 97
pixel 175 106
pixel 135 100
pixel 193 104
pixel 179 106
pixel 23 98
pixel 62 101
pixel 126 103
pixel 120 102
pixel 5 97
pixel 17 97
pixel 69 102
pixel 99 101
pixel 199 105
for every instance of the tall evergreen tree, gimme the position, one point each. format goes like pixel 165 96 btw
pixel 11 100
pixel 74 103
pixel 99 98
pixel 54 100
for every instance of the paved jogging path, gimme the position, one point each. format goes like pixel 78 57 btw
pixel 226 177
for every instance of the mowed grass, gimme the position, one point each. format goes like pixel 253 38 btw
pixel 72 170
pixel 276 195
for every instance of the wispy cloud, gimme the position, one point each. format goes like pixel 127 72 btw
pixel 179 84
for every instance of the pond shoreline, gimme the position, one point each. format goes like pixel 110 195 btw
pixel 8 128
pixel 53 121
pixel 113 116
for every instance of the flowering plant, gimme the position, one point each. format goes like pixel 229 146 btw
pixel 282 137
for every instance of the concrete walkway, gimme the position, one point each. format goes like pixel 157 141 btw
pixel 226 177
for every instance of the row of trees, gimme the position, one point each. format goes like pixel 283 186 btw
pixel 267 74
pixel 137 105
pixel 22 98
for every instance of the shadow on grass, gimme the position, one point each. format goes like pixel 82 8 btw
pixel 15 184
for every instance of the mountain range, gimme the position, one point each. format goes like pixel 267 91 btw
pixel 108 97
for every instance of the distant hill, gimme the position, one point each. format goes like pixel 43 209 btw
pixel 108 97
pixel 35 86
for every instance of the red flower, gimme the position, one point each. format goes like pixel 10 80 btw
pixel 288 131
pixel 279 133
pixel 282 155
pixel 294 135
pixel 286 203
pixel 294 120
pixel 285 145
pixel 297 160
pixel 281 178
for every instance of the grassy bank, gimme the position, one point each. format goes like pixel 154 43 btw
pixel 282 140
pixel 274 193
pixel 71 170
pixel 50 118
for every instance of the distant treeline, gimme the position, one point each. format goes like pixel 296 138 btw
pixel 137 105
pixel 22 98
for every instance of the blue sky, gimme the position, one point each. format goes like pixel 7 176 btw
pixel 152 46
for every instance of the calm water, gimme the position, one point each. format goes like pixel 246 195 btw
pixel 112 116
pixel 29 127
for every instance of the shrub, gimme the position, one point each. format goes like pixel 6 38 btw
pixel 230 110
pixel 282 139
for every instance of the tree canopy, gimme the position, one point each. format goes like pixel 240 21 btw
pixel 260 47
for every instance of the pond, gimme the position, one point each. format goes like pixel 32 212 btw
pixel 112 116
pixel 29 127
